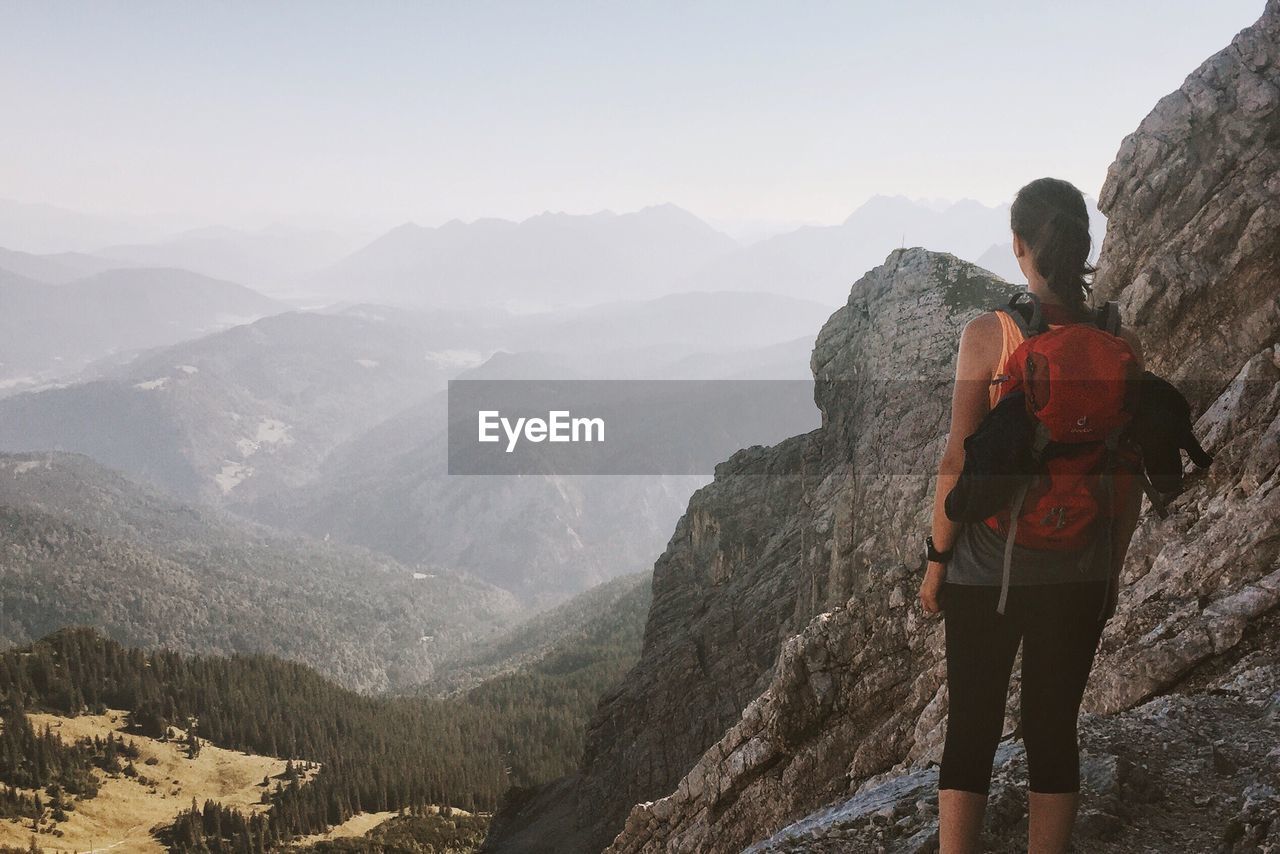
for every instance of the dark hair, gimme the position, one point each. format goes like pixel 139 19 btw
pixel 1051 218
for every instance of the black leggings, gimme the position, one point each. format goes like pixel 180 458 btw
pixel 1058 626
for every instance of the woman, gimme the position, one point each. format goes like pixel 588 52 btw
pixel 1056 609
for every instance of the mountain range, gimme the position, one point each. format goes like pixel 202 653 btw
pixel 548 536
pixel 332 424
pixel 547 260
pixel 553 259
pixel 562 259
pixel 83 545
pixel 269 259
pixel 820 262
pixel 231 415
pixel 51 331
pixel 280 487
pixel 56 268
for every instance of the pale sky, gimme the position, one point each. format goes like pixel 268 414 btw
pixel 425 111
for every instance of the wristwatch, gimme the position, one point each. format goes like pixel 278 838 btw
pixel 935 556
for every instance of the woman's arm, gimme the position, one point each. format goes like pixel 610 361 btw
pixel 980 345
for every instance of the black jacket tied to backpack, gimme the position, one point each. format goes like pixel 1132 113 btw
pixel 998 456
pixel 1077 420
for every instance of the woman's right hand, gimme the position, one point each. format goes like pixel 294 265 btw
pixel 931 588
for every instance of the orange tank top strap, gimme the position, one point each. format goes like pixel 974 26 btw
pixel 1043 316
pixel 1010 338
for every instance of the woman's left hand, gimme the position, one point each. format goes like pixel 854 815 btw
pixel 931 588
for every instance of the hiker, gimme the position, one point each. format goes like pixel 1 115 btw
pixel 1042 574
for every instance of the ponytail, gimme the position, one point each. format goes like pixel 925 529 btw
pixel 1051 217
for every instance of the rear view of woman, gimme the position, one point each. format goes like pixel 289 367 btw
pixel 997 595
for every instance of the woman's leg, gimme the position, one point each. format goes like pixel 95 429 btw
pixel 1062 631
pixel 981 646
pixel 960 817
pixel 1051 818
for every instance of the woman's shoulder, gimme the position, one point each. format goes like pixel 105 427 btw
pixel 982 334
pixel 983 325
pixel 981 344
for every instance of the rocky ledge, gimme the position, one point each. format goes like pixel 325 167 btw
pixel 1185 772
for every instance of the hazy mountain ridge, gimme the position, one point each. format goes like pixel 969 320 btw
pixel 647 334
pixel 549 259
pixel 544 538
pixel 41 228
pixel 231 415
pixel 818 262
pixel 301 420
pixel 561 259
pixel 551 536
pixel 55 268
pixel 269 259
pixel 54 330
pixel 83 545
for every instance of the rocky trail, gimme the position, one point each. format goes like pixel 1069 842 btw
pixel 1195 772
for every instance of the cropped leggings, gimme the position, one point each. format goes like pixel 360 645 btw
pixel 1058 626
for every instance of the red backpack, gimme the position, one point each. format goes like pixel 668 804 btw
pixel 1080 384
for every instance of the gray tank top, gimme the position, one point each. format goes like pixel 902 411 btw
pixel 979 557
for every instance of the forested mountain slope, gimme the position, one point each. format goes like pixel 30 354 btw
pixel 82 545
pixel 347 752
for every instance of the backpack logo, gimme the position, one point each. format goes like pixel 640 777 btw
pixel 1057 517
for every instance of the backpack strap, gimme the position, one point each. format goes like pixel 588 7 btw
pixel 1158 502
pixel 1108 540
pixel 1006 573
pixel 1038 444
pixel 1108 317
pixel 1024 308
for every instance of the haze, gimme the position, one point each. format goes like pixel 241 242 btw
pixel 756 116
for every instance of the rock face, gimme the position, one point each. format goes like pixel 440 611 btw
pixel 786 590
pixel 1193 256
pixel 1195 772
pixel 783 534
pixel 788 532
pixel 1193 201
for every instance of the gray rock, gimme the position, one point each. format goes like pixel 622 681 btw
pixel 1139 791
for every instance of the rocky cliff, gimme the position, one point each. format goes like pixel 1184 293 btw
pixel 783 665
pixel 782 534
